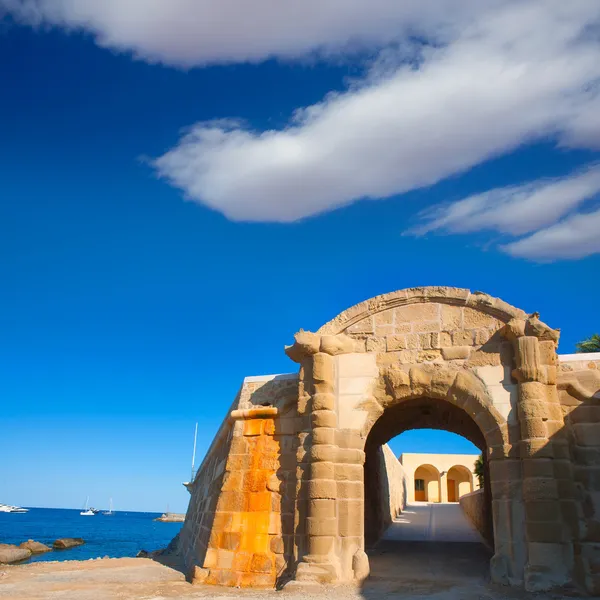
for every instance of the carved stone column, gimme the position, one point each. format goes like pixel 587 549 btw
pixel 320 563
pixel 546 471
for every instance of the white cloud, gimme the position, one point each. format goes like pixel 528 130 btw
pixel 492 75
pixel 197 32
pixel 575 237
pixel 516 210
pixel 544 209
pixel 514 75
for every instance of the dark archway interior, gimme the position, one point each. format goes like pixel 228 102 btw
pixel 419 413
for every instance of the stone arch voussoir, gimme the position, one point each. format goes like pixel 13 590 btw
pixel 457 386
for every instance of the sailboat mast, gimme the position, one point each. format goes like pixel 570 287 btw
pixel 194 453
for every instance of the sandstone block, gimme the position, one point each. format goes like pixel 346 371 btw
pixel 376 344
pixel 198 575
pixel 350 456
pixel 323 453
pixel 323 369
pixel 426 326
pixel 349 439
pixel 429 356
pixel 323 401
pixel 587 434
pixel 480 358
pixel 253 427
pixel 262 563
pixel 276 545
pixel 396 342
pixel 322 488
pixel 229 541
pixel 345 472
pixel 538 467
pixel 321 526
pixel 365 326
pixel 543 510
pixel 322 470
pixel 350 490
pixel 322 508
pixel 533 428
pixel 321 545
pixel 416 312
pixel 539 488
pixel 462 338
pixel 324 418
pixel 259 502
pixel 536 448
pixel 456 353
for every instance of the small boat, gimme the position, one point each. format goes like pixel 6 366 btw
pixel 88 512
pixel 109 512
pixel 7 508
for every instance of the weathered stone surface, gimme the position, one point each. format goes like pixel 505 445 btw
pixel 35 547
pixel 284 480
pixel 12 554
pixel 66 543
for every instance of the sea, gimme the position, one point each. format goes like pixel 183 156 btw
pixel 120 535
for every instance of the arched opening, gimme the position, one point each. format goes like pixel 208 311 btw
pixel 425 525
pixel 459 482
pixel 426 484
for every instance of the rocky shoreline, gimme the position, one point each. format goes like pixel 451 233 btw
pixel 11 553
pixel 171 518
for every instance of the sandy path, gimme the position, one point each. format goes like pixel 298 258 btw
pixel 398 572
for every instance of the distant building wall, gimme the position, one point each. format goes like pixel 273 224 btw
pixel 446 477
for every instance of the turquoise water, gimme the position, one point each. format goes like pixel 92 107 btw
pixel 122 534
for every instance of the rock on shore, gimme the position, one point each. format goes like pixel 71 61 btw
pixel 65 543
pixel 35 547
pixel 11 554
pixel 171 518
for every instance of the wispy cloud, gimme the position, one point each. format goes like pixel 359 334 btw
pixel 487 78
pixel 535 208
pixel 575 237
pixel 188 33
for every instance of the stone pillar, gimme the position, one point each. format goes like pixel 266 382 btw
pixel 443 486
pixel 547 479
pixel 319 563
pixel 335 475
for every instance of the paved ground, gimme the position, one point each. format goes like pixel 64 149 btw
pixel 431 568
pixel 423 522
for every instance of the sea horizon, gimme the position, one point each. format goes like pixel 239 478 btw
pixel 120 535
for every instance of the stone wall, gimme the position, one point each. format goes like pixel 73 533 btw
pixel 579 392
pixel 239 527
pixel 281 493
pixel 385 491
pixel 473 506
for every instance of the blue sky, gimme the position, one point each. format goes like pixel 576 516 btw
pixel 145 273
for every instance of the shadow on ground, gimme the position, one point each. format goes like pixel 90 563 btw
pixel 426 568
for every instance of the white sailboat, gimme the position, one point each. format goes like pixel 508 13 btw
pixel 188 484
pixel 109 512
pixel 87 512
pixel 12 509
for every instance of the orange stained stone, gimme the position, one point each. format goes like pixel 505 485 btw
pixel 253 427
pixel 255 481
pixel 259 502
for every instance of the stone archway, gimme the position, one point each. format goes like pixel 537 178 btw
pixel 297 443
pixel 470 350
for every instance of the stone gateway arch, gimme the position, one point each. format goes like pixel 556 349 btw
pixel 291 488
